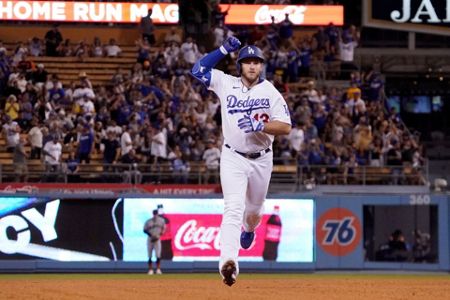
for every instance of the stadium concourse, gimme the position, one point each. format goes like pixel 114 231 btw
pixel 91 93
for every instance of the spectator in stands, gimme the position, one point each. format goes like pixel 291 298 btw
pixel 110 148
pixel 84 90
pixel 97 48
pixel 362 135
pixel 65 49
pixel 376 153
pixel 19 52
pixel 43 108
pixel 70 138
pixel 52 81
pixel 217 15
pixel 320 39
pixel 394 160
pixel 53 39
pixel 35 47
pixel 26 66
pixel 172 54
pixel 18 84
pixel 81 50
pixel 112 49
pixel 350 167
pixel 316 155
pixel 144 50
pixel 71 168
pixel 311 131
pixel 320 116
pixel 189 51
pixel 286 31
pixel 332 33
pixel 126 141
pixel 354 87
pixel 211 157
pixel 35 138
pixel 180 166
pixel 20 161
pixel 376 84
pixel 221 33
pixel 172 37
pixel 55 95
pixel 159 144
pixel 85 144
pixel 293 63
pixel 39 77
pixel 351 33
pixel 422 247
pixel 131 172
pixel 147 28
pixel 311 93
pixel 137 76
pixel 347 48
pixel 395 249
pixel 26 112
pixel 12 107
pixel 296 138
pixel 337 131
pixel 52 157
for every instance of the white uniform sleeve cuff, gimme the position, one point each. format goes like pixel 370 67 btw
pixel 223 50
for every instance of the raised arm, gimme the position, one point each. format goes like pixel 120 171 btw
pixel 203 67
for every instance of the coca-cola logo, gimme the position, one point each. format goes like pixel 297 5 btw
pixel 191 236
pixel 20 189
pixel 296 14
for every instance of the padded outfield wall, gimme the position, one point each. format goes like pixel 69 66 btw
pixel 47 232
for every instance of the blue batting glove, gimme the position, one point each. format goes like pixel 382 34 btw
pixel 230 45
pixel 249 124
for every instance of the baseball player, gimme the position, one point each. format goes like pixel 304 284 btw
pixel 253 112
pixel 154 228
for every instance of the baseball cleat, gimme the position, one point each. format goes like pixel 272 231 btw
pixel 150 272
pixel 228 272
pixel 158 271
pixel 247 239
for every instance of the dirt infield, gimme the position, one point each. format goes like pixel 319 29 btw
pixel 209 286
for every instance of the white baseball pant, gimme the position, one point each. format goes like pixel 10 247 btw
pixel 244 185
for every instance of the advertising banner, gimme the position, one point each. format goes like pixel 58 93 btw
pixel 401 231
pixel 60 230
pixel 285 233
pixel 109 189
pixel 164 13
pixel 426 16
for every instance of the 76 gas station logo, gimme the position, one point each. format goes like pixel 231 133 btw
pixel 338 231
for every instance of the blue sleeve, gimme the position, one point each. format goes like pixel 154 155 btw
pixel 203 67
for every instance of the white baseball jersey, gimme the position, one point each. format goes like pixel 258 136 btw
pixel 262 101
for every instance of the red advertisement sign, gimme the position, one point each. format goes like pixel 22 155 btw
pixel 181 189
pixel 197 235
pixel 338 231
pixel 164 13
pixel 109 188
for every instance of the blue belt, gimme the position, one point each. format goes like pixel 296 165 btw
pixel 254 155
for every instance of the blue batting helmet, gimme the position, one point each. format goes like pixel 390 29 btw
pixel 250 51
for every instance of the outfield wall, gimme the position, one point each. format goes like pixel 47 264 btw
pixel 103 233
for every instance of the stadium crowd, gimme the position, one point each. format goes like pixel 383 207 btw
pixel 156 112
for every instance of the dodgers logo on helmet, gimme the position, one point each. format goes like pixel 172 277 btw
pixel 250 51
pixel 246 52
